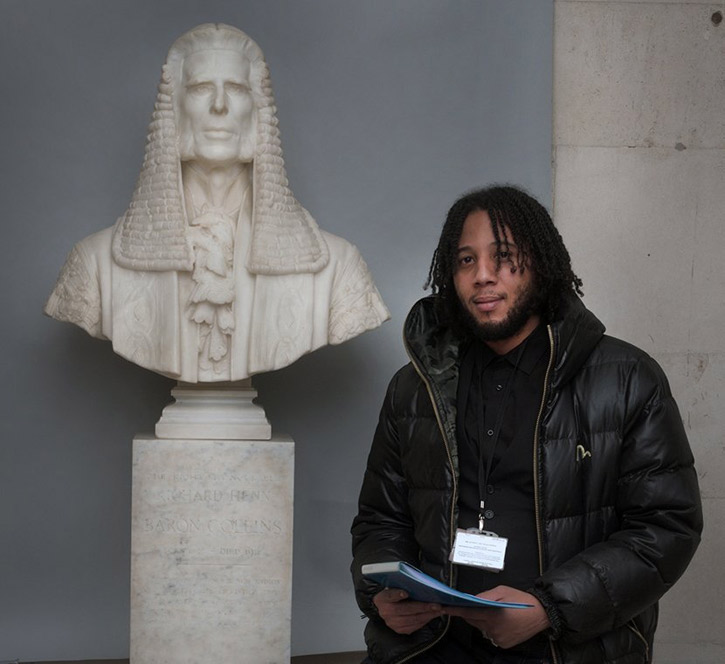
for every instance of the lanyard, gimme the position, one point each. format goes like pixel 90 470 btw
pixel 484 466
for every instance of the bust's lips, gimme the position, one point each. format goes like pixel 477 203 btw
pixel 219 134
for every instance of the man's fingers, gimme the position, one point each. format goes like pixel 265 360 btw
pixel 401 614
pixel 390 595
pixel 395 602
pixel 415 608
pixel 408 623
pixel 506 627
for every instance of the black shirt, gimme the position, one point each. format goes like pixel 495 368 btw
pixel 508 388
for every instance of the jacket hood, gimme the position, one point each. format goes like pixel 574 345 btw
pixel 575 333
pixel 431 343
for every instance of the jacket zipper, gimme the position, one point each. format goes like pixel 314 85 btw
pixel 537 507
pixel 537 478
pixel 633 627
pixel 454 500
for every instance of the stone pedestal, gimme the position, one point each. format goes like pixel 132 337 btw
pixel 211 547
pixel 218 411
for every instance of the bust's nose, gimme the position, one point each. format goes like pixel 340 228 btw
pixel 219 101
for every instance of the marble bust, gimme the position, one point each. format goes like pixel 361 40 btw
pixel 215 272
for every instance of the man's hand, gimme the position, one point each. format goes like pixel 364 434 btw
pixel 505 628
pixel 404 615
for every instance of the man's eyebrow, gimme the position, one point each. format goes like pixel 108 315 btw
pixel 506 243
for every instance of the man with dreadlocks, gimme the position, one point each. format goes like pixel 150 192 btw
pixel 520 428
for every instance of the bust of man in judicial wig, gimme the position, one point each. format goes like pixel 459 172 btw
pixel 215 272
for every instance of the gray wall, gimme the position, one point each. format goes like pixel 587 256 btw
pixel 389 109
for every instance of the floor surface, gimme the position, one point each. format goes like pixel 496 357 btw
pixel 329 658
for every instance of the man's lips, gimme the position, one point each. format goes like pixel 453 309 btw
pixel 487 302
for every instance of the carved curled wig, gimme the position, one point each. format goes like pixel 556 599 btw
pixel 151 235
pixel 515 217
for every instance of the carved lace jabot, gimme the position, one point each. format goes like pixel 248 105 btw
pixel 152 234
pixel 211 233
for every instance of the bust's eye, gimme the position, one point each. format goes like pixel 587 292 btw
pixel 200 89
pixel 236 88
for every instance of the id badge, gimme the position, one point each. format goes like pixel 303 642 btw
pixel 479 549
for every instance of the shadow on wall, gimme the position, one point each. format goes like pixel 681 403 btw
pixel 123 397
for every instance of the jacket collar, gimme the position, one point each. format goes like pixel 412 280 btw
pixel 436 350
pixel 575 334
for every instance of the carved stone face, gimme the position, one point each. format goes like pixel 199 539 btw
pixel 216 110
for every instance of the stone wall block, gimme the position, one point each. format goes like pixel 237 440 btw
pixel 646 233
pixel 639 74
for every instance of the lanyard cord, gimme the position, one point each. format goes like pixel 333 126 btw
pixel 484 467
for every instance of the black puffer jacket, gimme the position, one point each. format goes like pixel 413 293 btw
pixel 616 495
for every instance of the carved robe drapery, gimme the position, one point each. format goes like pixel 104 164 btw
pixel 278 318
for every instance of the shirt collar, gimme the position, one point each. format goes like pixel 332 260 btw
pixel 525 356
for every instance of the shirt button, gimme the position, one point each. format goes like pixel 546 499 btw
pixel 488 514
pixel 490 432
pixel 499 388
pixel 490 489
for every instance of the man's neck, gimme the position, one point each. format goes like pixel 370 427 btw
pixel 503 346
pixel 217 186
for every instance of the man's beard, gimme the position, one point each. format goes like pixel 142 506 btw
pixel 528 303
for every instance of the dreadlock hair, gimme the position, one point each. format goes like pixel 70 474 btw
pixel 516 218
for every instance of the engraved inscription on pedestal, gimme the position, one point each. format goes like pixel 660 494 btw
pixel 211 568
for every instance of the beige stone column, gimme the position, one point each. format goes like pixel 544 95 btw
pixel 639 195
pixel 211 533
pixel 211 570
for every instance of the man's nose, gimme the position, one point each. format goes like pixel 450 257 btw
pixel 219 102
pixel 486 271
